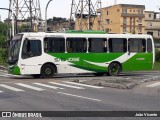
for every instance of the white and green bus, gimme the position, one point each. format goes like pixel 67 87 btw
pixel 45 54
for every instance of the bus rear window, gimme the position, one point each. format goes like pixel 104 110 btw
pixel 149 45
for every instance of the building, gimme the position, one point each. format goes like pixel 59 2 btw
pixel 122 18
pixel 58 26
pixel 152 23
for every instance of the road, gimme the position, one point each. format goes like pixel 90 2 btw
pixel 59 94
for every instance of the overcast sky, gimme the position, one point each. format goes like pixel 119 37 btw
pixel 61 8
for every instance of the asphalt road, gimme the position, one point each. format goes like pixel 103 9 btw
pixel 57 94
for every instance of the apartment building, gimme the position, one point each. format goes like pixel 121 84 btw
pixel 124 18
pixel 152 23
pixel 121 18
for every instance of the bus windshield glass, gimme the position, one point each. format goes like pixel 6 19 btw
pixel 14 49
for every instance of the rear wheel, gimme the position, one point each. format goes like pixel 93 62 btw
pixel 114 69
pixel 47 71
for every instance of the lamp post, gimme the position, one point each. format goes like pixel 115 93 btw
pixel 46 15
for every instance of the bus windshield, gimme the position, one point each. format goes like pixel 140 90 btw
pixel 13 53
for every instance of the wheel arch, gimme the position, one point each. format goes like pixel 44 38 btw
pixel 50 63
pixel 117 63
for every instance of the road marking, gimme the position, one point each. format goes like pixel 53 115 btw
pixel 10 75
pixel 10 88
pixel 1 91
pixel 49 86
pixel 30 87
pixel 78 96
pixel 154 84
pixel 91 86
pixel 66 85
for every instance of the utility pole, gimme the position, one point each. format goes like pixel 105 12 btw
pixel 27 11
pixel 85 13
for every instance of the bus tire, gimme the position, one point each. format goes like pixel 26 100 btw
pixel 114 69
pixel 47 71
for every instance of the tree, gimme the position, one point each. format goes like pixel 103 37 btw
pixel 3 33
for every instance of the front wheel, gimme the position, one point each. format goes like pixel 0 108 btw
pixel 114 69
pixel 47 71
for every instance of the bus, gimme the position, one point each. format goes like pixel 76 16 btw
pixel 46 54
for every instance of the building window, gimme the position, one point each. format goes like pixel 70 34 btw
pixel 107 21
pixel 158 32
pixel 107 30
pixel 124 10
pixel 140 11
pixel 124 21
pixel 117 10
pixel 124 29
pixel 107 12
pixel 117 45
pixel 150 24
pixel 130 10
pixel 140 20
pixel 150 15
pixel 140 30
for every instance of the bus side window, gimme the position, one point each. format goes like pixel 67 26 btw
pixel 54 45
pixel 31 48
pixel 97 45
pixel 117 45
pixel 137 45
pixel 76 45
pixel 149 45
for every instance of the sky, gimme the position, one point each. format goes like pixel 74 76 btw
pixel 62 8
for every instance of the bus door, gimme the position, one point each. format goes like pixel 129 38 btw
pixel 31 53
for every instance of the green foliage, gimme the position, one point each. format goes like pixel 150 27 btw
pixel 3 51
pixel 23 28
pixel 3 56
pixel 57 20
pixel 157 55
pixel 156 66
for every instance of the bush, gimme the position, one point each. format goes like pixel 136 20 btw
pixel 157 55
pixel 3 56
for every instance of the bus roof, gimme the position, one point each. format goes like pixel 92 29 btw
pixel 93 34
pixel 85 32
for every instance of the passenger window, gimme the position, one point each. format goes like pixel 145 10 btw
pixel 76 45
pixel 117 45
pixel 137 45
pixel 31 48
pixel 54 45
pixel 97 45
pixel 149 45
